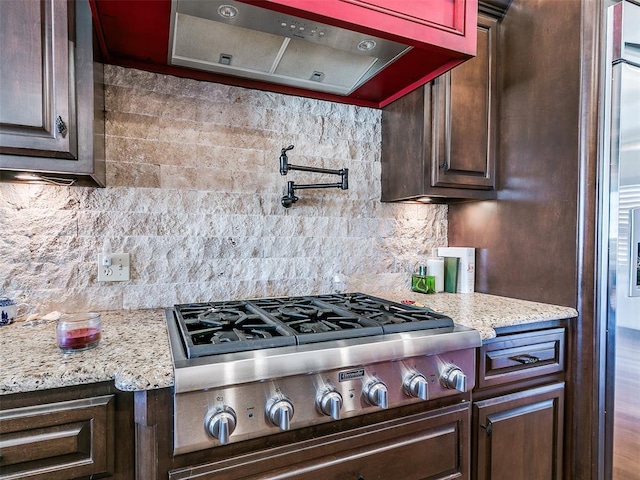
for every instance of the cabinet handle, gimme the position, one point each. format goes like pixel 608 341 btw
pixel 445 165
pixel 488 428
pixel 525 359
pixel 61 127
pixel 360 477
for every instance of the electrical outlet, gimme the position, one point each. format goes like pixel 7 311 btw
pixel 118 271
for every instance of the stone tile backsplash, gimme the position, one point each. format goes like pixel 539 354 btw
pixel 194 196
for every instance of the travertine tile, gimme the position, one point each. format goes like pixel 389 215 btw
pixel 194 195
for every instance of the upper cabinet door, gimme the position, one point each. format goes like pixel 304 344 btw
pixel 36 107
pixel 440 141
pixel 465 115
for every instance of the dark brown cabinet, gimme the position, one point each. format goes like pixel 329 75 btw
pixel 518 408
pixel 51 102
pixel 521 435
pixel 439 141
pixel 67 433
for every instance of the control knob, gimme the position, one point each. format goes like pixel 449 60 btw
pixel 453 377
pixel 280 411
pixel 329 402
pixel 375 393
pixel 416 385
pixel 221 423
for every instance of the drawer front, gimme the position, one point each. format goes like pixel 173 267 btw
pixel 521 357
pixel 58 440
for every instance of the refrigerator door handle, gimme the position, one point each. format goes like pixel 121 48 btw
pixel 634 252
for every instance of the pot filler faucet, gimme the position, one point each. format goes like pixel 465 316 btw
pixel 290 198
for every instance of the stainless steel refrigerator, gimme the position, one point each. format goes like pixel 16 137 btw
pixel 619 244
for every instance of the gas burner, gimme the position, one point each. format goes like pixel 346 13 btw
pixel 314 321
pixel 393 317
pixel 225 327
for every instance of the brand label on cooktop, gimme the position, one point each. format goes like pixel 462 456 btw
pixel 351 375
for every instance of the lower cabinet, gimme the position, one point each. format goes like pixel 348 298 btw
pixel 431 445
pixel 520 435
pixel 75 433
pixel 518 408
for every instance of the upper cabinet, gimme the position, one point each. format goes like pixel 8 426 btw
pixel 362 52
pixel 439 141
pixel 51 113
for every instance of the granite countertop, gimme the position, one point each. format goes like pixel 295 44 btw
pixel 133 352
pixel 484 312
pixel 134 349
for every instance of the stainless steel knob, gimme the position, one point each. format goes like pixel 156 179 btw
pixel 375 393
pixel 221 423
pixel 452 377
pixel 416 385
pixel 280 411
pixel 329 402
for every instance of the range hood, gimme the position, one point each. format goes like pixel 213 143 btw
pixel 244 40
pixel 363 52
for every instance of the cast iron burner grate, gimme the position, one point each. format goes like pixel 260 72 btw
pixel 393 317
pixel 315 321
pixel 226 327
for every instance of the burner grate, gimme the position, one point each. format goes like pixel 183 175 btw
pixel 393 317
pixel 225 327
pixel 315 321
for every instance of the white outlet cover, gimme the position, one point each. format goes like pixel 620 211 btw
pixel 118 271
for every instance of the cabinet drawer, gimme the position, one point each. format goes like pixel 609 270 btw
pixel 521 357
pixel 57 440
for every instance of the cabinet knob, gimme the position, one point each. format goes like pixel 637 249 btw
pixel 375 393
pixel 329 402
pixel 416 385
pixel 280 411
pixel 221 424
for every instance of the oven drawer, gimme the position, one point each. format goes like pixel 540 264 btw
pixel 521 357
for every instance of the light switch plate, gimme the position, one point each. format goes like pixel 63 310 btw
pixel 118 271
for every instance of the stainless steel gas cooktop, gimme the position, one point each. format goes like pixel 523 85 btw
pixel 251 368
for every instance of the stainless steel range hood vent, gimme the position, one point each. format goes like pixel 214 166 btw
pixel 241 40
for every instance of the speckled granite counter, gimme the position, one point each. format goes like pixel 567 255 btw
pixel 484 312
pixel 134 349
pixel 133 352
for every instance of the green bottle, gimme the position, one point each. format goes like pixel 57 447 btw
pixel 423 283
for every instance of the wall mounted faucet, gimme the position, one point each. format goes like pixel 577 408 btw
pixel 290 198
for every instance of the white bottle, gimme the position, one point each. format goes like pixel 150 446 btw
pixel 435 267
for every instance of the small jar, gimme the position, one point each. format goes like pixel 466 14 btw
pixel 78 332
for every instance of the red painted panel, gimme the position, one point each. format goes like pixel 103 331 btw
pixel 419 23
pixel 431 12
pixel 135 33
pixel 135 29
